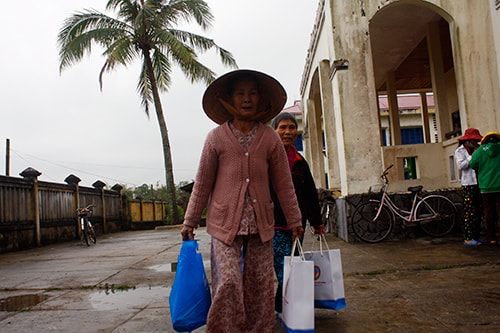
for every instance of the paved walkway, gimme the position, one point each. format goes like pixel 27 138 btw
pixel 122 284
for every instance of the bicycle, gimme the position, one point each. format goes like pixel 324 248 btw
pixel 373 221
pixel 328 212
pixel 88 232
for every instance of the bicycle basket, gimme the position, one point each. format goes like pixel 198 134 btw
pixel 328 194
pixel 375 191
pixel 84 212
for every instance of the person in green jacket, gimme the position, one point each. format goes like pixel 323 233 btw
pixel 486 162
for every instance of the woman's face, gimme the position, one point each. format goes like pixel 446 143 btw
pixel 245 97
pixel 287 130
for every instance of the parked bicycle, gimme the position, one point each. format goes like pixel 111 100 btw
pixel 88 232
pixel 374 220
pixel 328 211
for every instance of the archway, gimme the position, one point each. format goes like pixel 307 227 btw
pixel 412 56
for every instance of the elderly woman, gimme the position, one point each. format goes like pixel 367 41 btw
pixel 240 158
pixel 286 126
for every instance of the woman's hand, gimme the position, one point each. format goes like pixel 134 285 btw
pixel 319 229
pixel 297 232
pixel 187 233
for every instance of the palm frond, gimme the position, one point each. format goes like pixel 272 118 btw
pixel 144 88
pixel 176 10
pixel 162 69
pixel 84 28
pixel 226 57
pixel 202 44
pixel 126 9
pixel 121 52
pixel 196 71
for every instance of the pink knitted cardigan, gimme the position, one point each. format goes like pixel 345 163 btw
pixel 225 173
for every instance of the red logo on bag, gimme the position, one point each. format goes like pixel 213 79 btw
pixel 317 272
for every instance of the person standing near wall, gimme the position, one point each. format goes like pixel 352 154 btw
pixel 467 144
pixel 240 158
pixel 486 162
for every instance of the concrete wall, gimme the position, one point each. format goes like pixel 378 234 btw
pixel 495 22
pixel 347 129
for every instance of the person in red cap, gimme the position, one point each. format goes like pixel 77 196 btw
pixel 467 144
pixel 486 162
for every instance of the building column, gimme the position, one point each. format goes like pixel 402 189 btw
pixel 438 80
pixel 329 125
pixel 425 117
pixel 315 157
pixel 392 100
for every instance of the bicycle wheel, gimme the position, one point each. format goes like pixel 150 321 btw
pixel 90 232
pixel 366 228
pixel 436 215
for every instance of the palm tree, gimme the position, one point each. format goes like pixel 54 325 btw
pixel 145 30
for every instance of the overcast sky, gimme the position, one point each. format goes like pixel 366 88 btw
pixel 62 124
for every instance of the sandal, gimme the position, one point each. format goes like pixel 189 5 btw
pixel 472 243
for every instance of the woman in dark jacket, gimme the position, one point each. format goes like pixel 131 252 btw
pixel 285 125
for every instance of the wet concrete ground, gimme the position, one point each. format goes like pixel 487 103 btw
pixel 122 284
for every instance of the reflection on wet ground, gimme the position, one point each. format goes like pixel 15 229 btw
pixel 118 299
pixel 168 267
pixel 172 266
pixel 21 302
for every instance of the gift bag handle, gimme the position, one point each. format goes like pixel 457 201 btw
pixel 296 245
pixel 320 239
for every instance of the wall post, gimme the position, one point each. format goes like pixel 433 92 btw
pixel 32 175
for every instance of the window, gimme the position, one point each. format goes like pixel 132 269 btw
pixel 384 137
pixel 298 143
pixel 412 136
pixel 410 167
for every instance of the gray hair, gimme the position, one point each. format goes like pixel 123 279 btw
pixel 283 116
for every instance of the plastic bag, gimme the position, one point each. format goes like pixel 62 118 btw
pixel 190 297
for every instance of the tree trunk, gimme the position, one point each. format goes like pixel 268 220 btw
pixel 173 212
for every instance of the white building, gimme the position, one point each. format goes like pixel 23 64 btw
pixel 361 50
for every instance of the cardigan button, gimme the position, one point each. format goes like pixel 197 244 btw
pixel 246 154
pixel 247 180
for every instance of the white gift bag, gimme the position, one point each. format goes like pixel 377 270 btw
pixel 298 293
pixel 328 278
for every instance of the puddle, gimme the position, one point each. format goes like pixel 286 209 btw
pixel 21 302
pixel 169 267
pixel 128 299
pixel 172 266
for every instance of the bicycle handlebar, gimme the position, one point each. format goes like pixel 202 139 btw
pixel 385 173
pixel 89 207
